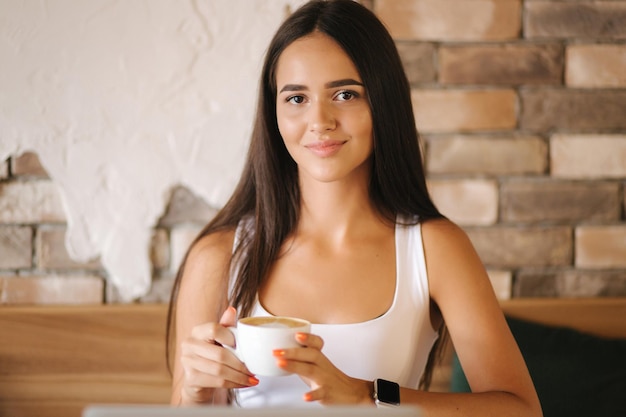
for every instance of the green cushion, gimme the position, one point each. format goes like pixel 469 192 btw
pixel 575 374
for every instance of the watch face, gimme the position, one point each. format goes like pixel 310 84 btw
pixel 388 392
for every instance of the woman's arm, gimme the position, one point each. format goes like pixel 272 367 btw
pixel 491 359
pixel 201 366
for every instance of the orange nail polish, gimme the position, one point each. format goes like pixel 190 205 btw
pixel 301 337
pixel 308 397
pixel 281 363
pixel 278 352
pixel 253 381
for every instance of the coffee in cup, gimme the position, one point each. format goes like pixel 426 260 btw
pixel 257 337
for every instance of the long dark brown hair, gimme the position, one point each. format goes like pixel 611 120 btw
pixel 268 191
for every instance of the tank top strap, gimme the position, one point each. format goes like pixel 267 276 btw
pixel 410 263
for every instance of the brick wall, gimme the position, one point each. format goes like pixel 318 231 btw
pixel 522 105
pixel 34 266
pixel 522 108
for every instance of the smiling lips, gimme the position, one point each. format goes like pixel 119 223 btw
pixel 325 148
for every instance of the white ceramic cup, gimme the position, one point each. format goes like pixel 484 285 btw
pixel 257 337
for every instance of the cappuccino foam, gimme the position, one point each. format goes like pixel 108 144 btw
pixel 275 325
pixel 273 322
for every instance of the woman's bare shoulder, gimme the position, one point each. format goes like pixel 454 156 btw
pixel 208 259
pixel 450 255
pixel 443 231
pixel 215 243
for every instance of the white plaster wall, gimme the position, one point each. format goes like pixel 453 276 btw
pixel 122 100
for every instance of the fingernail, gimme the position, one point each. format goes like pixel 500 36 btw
pixel 253 381
pixel 301 336
pixel 308 397
pixel 278 352
pixel 281 363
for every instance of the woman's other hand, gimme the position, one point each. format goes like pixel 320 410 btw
pixel 328 384
pixel 207 364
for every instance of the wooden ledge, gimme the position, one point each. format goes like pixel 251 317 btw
pixel 56 360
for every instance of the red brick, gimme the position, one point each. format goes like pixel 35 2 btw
pixel 418 60
pixel 180 239
pixel 52 254
pixel 503 64
pixel 448 19
pixel 588 156
pixel 601 246
pixel 501 281
pixel 539 201
pixel 160 290
pixel 491 155
pixel 30 202
pixel 16 247
pixel 519 247
pixel 548 109
pixel 596 66
pixel 28 164
pixel 51 290
pixel 579 19
pixel 184 207
pixel 467 201
pixel 569 283
pixel 4 169
pixel 160 249
pixel 464 110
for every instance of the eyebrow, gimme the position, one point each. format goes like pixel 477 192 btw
pixel 330 84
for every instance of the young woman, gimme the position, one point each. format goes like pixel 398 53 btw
pixel 332 222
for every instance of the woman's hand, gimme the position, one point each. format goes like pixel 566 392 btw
pixel 208 365
pixel 328 384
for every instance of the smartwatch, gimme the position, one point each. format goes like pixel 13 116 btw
pixel 386 393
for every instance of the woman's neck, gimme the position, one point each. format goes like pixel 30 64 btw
pixel 337 211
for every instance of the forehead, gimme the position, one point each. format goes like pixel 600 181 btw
pixel 315 57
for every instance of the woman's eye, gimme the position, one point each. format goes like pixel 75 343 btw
pixel 346 95
pixel 295 99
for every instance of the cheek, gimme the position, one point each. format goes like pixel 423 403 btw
pixel 362 126
pixel 289 129
pixel 367 127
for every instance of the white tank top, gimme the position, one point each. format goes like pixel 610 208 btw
pixel 394 346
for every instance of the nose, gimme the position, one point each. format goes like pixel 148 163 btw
pixel 321 118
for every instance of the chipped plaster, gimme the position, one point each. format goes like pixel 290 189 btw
pixel 122 101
